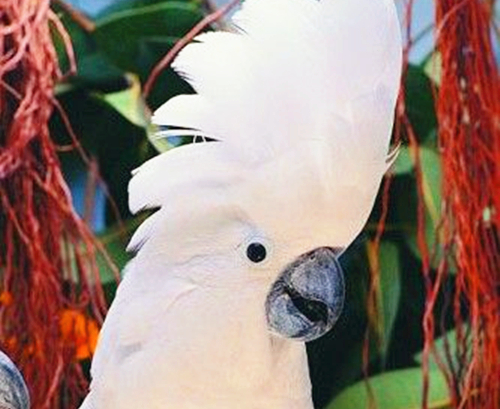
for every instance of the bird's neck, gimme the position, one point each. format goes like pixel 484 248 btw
pixel 220 348
pixel 204 346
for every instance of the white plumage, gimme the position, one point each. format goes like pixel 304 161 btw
pixel 300 97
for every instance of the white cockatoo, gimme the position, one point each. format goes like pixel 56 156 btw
pixel 237 268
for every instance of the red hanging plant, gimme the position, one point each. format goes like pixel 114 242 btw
pixel 467 104
pixel 468 110
pixel 51 297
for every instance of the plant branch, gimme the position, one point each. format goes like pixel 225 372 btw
pixel 210 8
pixel 76 15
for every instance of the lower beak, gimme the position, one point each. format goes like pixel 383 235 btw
pixel 306 300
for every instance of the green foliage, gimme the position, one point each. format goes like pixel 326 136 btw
pixel 104 102
pixel 111 119
pixel 446 350
pixel 389 293
pixel 128 37
pixel 430 166
pixel 420 103
pixel 401 389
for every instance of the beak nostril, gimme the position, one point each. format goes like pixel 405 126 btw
pixel 314 311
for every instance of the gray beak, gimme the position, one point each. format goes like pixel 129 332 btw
pixel 306 300
pixel 13 391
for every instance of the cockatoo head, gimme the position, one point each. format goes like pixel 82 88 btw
pixel 298 104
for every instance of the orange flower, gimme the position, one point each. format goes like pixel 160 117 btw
pixel 6 298
pixel 79 331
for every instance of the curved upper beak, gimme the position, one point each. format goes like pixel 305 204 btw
pixel 13 391
pixel 306 300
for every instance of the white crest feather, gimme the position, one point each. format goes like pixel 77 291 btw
pixel 288 67
pixel 289 72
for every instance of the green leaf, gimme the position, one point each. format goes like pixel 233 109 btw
pixel 124 35
pixel 115 142
pixel 433 67
pixel 404 163
pixel 406 199
pixel 446 345
pixel 431 184
pixel 80 40
pixel 430 163
pixel 94 70
pixel 389 291
pixel 116 6
pixel 129 103
pixel 431 173
pixel 401 389
pixel 419 102
pixel 168 83
pixel 432 180
pixel 115 248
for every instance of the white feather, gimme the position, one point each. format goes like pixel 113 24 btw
pixel 288 68
pixel 198 164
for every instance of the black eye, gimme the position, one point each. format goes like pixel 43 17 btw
pixel 256 252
